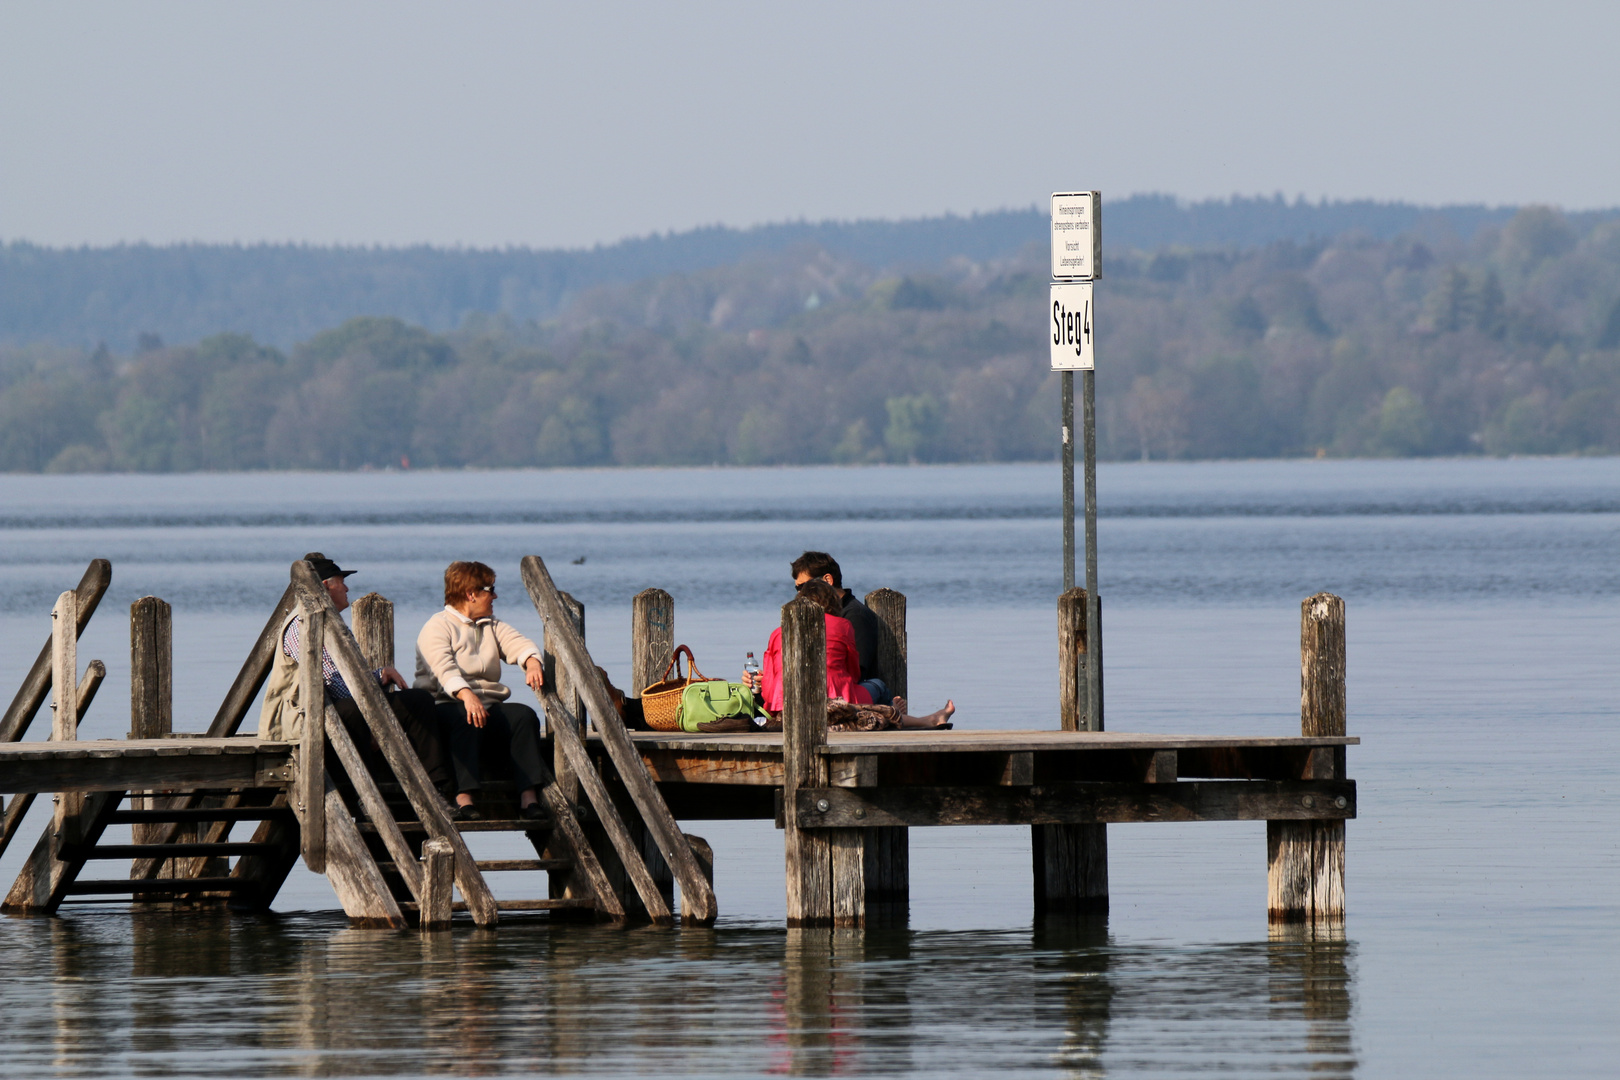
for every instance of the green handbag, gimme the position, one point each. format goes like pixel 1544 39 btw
pixel 705 703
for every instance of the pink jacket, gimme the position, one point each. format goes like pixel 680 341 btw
pixel 843 666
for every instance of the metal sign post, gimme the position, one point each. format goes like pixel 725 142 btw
pixel 1076 264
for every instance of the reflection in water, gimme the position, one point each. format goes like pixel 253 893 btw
pixel 201 993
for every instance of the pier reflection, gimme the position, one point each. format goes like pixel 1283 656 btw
pixel 198 993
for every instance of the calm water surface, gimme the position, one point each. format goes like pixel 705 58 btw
pixel 1483 929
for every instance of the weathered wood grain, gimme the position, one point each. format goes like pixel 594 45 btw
pixel 1321 665
pixel 971 741
pixel 36 685
pixel 374 629
pixel 312 748
pixel 705 858
pixel 652 638
pixel 572 653
pixel 372 802
pixel 351 869
pixel 892 652
pixel 1079 803
pixel 438 873
pixel 58 857
pixel 1070 863
pixel 607 814
pixel 151 693
pixel 804 732
pixel 562 683
pixel 65 668
pixel 1072 697
pixel 94 673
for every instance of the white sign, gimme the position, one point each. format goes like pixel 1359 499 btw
pixel 1076 235
pixel 1069 330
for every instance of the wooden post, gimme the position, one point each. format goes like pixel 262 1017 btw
pixel 438 874
pixel 65 668
pixel 652 638
pixel 885 853
pixel 804 732
pixel 1070 862
pixel 1305 859
pixel 890 608
pixel 151 704
pixel 65 704
pixel 705 857
pixel 374 629
pixel 558 679
pixel 1072 697
pixel 312 746
pixel 37 684
pixel 94 672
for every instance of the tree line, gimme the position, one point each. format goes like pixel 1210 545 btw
pixel 1505 342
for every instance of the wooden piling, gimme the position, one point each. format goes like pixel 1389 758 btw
pixel 65 704
pixel 65 667
pixel 438 875
pixel 1305 859
pixel 558 678
pixel 890 608
pixel 374 629
pixel 705 858
pixel 151 707
pixel 884 853
pixel 652 638
pixel 37 685
pixel 804 732
pixel 312 746
pixel 1070 862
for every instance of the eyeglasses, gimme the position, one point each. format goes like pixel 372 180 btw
pixel 486 588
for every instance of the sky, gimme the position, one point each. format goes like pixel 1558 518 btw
pixel 528 124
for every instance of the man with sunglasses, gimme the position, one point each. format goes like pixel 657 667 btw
pixel 820 566
pixel 458 660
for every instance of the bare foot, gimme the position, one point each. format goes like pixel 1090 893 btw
pixel 939 719
pixel 899 704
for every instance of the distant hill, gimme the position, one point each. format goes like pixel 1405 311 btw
pixel 283 294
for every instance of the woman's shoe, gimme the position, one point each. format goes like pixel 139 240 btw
pixel 466 813
pixel 532 812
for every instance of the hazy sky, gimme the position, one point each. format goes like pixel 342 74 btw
pixel 549 125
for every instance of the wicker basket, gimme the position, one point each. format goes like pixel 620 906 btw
pixel 661 702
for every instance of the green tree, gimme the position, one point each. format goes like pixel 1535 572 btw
pixel 1404 428
pixel 914 427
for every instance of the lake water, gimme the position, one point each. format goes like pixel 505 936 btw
pixel 1483 932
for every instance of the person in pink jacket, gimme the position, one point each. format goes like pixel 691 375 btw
pixel 849 706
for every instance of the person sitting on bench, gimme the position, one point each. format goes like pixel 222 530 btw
pixel 282 716
pixel 868 628
pixel 458 660
pixel 849 706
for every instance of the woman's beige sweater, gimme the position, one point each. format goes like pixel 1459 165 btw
pixel 454 653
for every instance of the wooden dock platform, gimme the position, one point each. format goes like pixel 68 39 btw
pixel 610 844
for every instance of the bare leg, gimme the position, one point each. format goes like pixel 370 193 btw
pixel 938 718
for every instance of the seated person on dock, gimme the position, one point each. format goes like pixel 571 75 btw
pixel 849 706
pixel 458 659
pixel 820 566
pixel 282 717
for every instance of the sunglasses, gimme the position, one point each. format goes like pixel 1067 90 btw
pixel 486 588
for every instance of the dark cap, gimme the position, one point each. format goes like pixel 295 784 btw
pixel 325 568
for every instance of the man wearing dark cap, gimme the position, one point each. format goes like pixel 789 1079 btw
pixel 282 717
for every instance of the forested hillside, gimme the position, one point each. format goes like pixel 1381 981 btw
pixel 1426 343
pixel 284 294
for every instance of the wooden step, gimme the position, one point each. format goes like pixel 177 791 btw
pixel 496 825
pixel 169 851
pixel 489 866
pixel 161 885
pixel 199 813
pixel 568 904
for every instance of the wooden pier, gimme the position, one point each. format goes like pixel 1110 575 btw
pixel 611 846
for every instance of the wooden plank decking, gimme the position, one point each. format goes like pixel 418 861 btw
pixel 141 764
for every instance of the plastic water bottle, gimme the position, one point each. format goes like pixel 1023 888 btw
pixel 750 666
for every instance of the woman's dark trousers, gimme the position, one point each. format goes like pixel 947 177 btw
pixel 511 732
